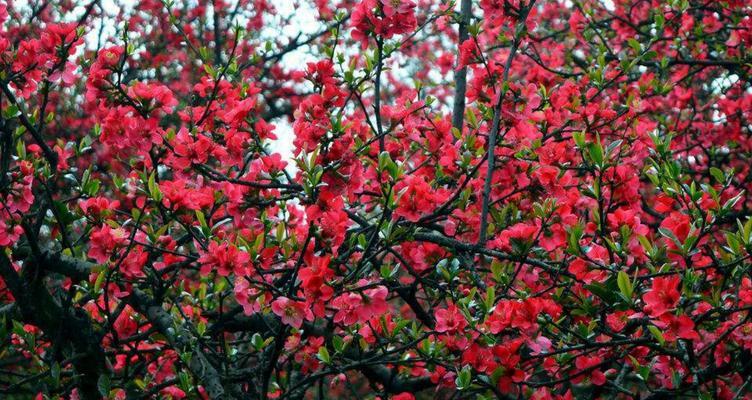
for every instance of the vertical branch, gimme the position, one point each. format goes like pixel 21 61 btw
pixel 217 34
pixel 377 94
pixel 460 77
pixel 518 33
pixel 181 340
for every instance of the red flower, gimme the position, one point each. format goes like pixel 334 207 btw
pixel 628 217
pixel 508 355
pixel 153 96
pixel 190 151
pixel 314 279
pixel 617 320
pixel 468 54
pixel 104 241
pixel 291 312
pixel 663 296
pixel 522 233
pixel 679 224
pixel 681 327
pixel 416 197
pixel 354 307
pixel 98 207
pixel 450 320
pixel 597 377
pixel 522 315
pixel 239 111
pixel 225 258
pixel 173 392
pixel 9 233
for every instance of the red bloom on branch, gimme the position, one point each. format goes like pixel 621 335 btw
pixel 104 241
pixel 588 367
pixel 225 259
pixel 416 196
pixel 175 190
pixel 673 327
pixel 292 312
pixel 663 296
pixel 679 224
pixel 450 320
pixel 355 307
pixel 391 7
pixel 521 233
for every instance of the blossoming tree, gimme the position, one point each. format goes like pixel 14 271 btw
pixel 486 199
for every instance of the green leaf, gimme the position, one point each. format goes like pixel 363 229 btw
pixel 603 291
pixel 717 174
pixel 595 151
pixel 154 191
pixel 55 373
pixel 338 343
pixel 103 385
pixel 667 233
pixel 650 55
pixel 100 281
pixel 201 219
pixel 464 378
pixel 21 149
pixel 635 45
pixel 579 138
pixel 625 285
pixel 472 120
pixel 497 269
pixel 257 341
pixel 657 334
pixel 645 244
pixel 490 298
pixel 660 20
pixel 323 355
pixel 64 216
pixel 11 111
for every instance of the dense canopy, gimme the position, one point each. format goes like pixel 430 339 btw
pixel 375 199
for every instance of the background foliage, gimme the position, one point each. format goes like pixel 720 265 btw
pixel 492 199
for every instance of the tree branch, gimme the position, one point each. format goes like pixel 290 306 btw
pixel 519 31
pixel 460 77
pixel 180 339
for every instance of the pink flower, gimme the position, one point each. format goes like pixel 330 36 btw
pixel 347 306
pixel 354 307
pixel 291 312
pixel 173 392
pixel 391 7
pixel 450 320
pixel 246 296
pixel 9 233
pixel 98 207
pixel 104 241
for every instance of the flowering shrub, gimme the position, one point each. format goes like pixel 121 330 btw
pixel 489 199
